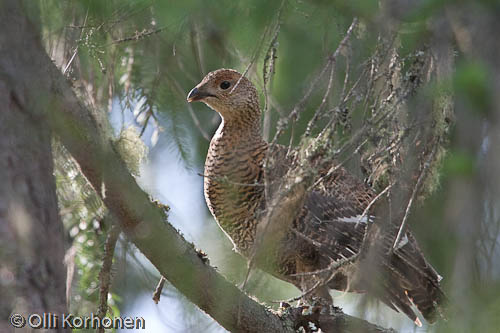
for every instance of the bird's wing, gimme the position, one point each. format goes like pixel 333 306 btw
pixel 334 222
pixel 335 225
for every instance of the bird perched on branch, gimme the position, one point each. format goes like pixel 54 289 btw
pixel 331 224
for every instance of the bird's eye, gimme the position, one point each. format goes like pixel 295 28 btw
pixel 225 84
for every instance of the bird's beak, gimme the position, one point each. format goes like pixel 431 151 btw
pixel 197 95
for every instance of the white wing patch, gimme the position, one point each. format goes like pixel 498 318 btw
pixel 349 249
pixel 357 219
pixel 402 242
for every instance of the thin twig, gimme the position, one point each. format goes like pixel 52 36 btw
pixel 346 77
pixel 363 131
pixel 338 165
pixel 254 55
pixel 372 202
pixel 304 294
pixel 149 98
pixel 268 71
pixel 334 266
pixel 323 103
pixel 196 121
pixel 159 289
pixel 105 273
pixel 195 42
pixel 138 36
pixel 416 188
pixel 77 45
pixel 294 115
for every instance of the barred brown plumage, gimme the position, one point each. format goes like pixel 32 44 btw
pixel 330 226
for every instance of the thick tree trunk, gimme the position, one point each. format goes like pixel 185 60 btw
pixel 32 273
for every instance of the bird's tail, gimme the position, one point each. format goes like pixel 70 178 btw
pixel 421 282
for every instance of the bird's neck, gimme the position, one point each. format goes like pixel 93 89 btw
pixel 245 129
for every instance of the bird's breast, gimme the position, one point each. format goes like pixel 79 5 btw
pixel 233 189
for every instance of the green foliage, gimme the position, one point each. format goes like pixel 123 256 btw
pixel 460 164
pixel 83 215
pixel 472 84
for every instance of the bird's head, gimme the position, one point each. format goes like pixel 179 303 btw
pixel 229 93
